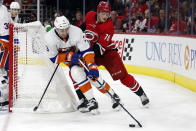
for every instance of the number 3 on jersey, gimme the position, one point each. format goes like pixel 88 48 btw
pixel 107 37
pixel 6 25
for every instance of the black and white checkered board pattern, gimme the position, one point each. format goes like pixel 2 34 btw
pixel 128 49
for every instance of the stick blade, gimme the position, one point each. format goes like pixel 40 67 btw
pixel 140 125
pixel 35 109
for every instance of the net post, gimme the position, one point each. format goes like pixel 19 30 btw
pixel 11 27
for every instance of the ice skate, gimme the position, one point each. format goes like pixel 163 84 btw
pixel 144 99
pixel 82 106
pixel 4 106
pixel 92 106
pixel 116 102
pixel 89 106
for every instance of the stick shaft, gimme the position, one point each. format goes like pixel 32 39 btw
pixel 48 85
pixel 113 98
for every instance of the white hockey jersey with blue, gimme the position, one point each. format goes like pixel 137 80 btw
pixel 75 39
pixel 5 20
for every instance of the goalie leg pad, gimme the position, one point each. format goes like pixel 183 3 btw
pixel 3 90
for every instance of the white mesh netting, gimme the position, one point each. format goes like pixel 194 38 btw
pixel 34 70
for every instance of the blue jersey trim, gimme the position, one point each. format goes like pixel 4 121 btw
pixel 6 37
pixel 86 51
pixel 53 59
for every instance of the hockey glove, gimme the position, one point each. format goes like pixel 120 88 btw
pixel 93 71
pixel 98 49
pixel 72 57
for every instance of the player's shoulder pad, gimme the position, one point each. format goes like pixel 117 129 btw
pixel 107 27
pixel 50 36
pixel 75 33
pixel 4 7
pixel 90 15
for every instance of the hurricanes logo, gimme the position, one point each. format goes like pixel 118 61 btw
pixel 186 57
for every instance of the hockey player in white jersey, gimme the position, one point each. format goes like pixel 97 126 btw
pixel 5 20
pixel 66 43
pixel 14 10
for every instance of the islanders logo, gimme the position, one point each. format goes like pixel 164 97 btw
pixel 187 57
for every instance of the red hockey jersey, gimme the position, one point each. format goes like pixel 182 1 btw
pixel 99 32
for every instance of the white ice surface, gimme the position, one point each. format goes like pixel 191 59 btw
pixel 172 108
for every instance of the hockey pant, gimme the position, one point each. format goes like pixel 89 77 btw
pixel 4 67
pixel 4 58
pixel 83 83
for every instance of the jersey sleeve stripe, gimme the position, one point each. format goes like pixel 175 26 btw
pixel 5 38
pixel 85 52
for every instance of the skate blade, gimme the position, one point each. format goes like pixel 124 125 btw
pixel 95 112
pixel 118 108
pixel 3 110
pixel 83 110
pixel 146 105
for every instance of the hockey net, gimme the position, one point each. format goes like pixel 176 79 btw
pixel 30 71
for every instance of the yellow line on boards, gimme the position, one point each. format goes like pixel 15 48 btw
pixel 163 74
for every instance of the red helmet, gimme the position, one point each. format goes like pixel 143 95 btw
pixel 103 7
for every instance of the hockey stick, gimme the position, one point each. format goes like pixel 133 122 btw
pixel 131 125
pixel 36 107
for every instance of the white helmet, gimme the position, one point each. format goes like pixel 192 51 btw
pixel 14 5
pixel 61 22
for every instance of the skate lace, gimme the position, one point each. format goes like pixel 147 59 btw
pixel 117 99
pixel 91 102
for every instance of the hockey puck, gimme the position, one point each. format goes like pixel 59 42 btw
pixel 131 125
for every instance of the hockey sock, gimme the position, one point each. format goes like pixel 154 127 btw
pixel 79 92
pixel 86 89
pixel 130 82
pixel 105 86
pixel 4 103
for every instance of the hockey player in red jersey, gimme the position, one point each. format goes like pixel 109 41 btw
pixel 99 30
